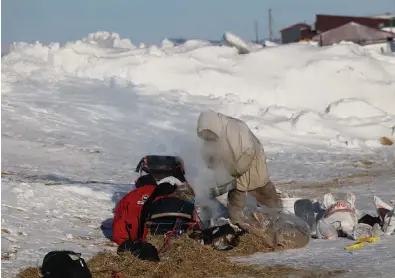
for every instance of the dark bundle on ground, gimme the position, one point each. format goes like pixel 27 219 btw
pixel 187 258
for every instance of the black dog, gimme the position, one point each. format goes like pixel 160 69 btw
pixel 222 238
pixel 141 249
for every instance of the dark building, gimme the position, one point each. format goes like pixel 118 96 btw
pixel 327 22
pixel 390 23
pixel 307 33
pixel 354 32
pixel 293 33
pixel 323 23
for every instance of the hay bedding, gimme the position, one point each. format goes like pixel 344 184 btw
pixel 186 258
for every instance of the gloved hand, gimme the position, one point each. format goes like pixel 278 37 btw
pixel 222 189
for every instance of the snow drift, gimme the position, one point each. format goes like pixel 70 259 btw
pixel 343 94
pixel 234 41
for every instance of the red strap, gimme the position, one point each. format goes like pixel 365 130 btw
pixel 338 207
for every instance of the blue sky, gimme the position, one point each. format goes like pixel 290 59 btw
pixel 151 21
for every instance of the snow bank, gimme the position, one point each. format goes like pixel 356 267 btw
pixel 346 108
pixel 270 43
pixel 389 29
pixel 235 41
pixel 316 88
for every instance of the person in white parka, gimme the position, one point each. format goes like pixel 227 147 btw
pixel 230 142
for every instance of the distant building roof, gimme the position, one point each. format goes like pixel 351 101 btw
pixel 299 24
pixel 327 22
pixel 353 32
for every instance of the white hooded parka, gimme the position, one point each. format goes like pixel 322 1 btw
pixel 240 150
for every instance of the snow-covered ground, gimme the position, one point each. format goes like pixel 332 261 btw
pixel 77 118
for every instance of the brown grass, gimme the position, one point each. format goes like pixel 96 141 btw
pixel 386 141
pixel 313 189
pixel 4 172
pixel 334 182
pixel 4 230
pixel 187 258
pixel 249 244
pixel 340 181
pixel 30 272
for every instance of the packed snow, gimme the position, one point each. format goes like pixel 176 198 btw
pixel 304 78
pixel 77 118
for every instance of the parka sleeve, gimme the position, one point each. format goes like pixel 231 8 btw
pixel 243 147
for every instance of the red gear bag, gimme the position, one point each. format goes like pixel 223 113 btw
pixel 127 214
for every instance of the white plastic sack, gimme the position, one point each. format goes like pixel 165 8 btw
pixel 389 223
pixel 339 217
pixel 365 230
pixel 325 230
pixel 386 214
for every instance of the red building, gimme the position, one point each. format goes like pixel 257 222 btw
pixel 323 23
pixel 326 22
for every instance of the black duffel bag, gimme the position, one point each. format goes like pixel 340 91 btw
pixel 64 264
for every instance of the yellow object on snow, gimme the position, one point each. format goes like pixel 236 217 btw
pixel 356 245
pixel 361 242
pixel 368 239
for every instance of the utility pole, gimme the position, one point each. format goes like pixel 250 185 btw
pixel 256 32
pixel 270 25
pixel 393 20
